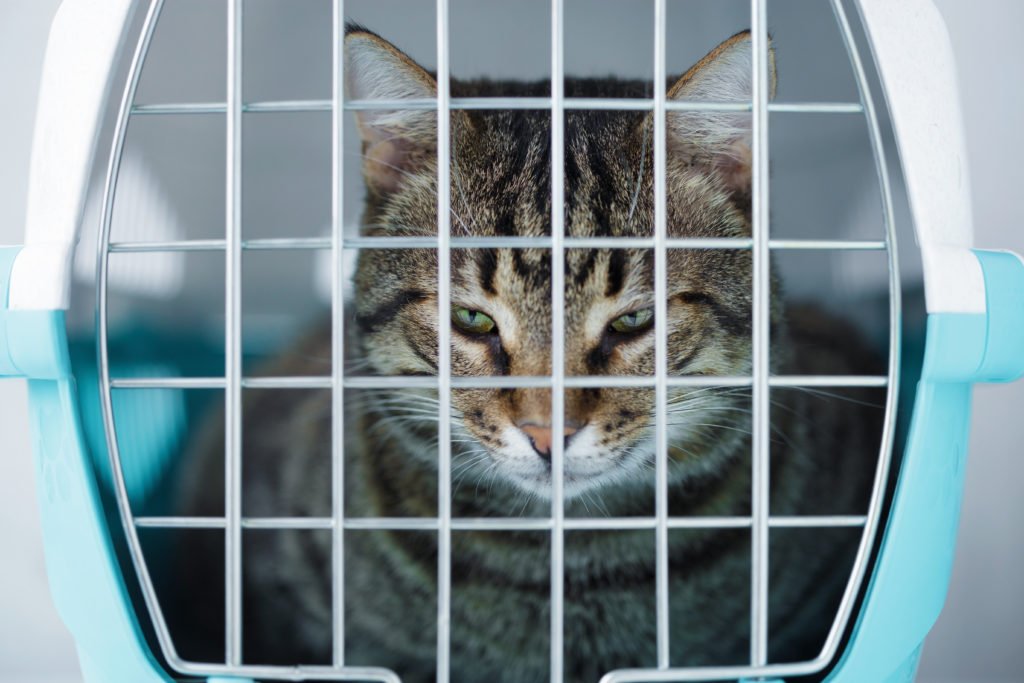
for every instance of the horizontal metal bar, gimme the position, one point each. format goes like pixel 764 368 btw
pixel 177 245
pixel 220 383
pixel 324 243
pixel 179 108
pixel 481 103
pixel 180 522
pixel 501 382
pixel 827 245
pixel 815 108
pixel 285 243
pixel 597 381
pixel 167 382
pixel 392 523
pixel 283 523
pixel 396 382
pixel 270 672
pixel 707 523
pixel 609 103
pixel 495 103
pixel 288 106
pixel 280 106
pixel 543 243
pixel 499 523
pixel 287 382
pixel 821 521
pixel 850 381
pixel 278 523
pixel 699 674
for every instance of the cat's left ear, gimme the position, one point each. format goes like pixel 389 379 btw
pixel 719 139
pixel 396 143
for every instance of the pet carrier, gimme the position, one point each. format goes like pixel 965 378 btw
pixel 99 446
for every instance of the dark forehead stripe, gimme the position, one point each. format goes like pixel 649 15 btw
pixel 487 263
pixel 616 272
pixel 505 220
pixel 581 274
pixel 605 195
pixel 536 272
pixel 572 181
pixel 512 152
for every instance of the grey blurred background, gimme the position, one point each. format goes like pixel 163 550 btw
pixel 174 171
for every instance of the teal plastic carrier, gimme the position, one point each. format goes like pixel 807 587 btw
pixel 975 333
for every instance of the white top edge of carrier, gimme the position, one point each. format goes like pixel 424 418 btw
pixel 918 71
pixel 81 55
pixel 909 39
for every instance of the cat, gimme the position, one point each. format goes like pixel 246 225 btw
pixel 822 450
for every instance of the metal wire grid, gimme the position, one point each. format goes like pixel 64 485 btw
pixel 759 522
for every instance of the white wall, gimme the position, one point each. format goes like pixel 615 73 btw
pixel 978 636
pixel 33 643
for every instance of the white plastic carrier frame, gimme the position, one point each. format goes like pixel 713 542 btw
pixel 136 326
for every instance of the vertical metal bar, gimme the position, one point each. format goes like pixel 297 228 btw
pixel 557 341
pixel 660 338
pixel 102 347
pixel 761 340
pixel 233 343
pixel 871 524
pixel 338 334
pixel 444 454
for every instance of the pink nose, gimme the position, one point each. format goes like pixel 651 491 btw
pixel 540 437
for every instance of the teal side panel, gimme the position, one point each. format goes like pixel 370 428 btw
pixel 907 671
pixel 83 572
pixel 911 577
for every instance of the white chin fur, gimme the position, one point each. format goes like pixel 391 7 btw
pixel 587 466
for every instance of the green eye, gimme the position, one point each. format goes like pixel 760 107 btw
pixel 473 322
pixel 636 321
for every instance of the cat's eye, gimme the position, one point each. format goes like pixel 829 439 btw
pixel 473 322
pixel 634 321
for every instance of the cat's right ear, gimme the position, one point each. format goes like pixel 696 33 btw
pixel 396 143
pixel 720 140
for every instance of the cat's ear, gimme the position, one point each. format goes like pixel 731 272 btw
pixel 719 139
pixel 395 142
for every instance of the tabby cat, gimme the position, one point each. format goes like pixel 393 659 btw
pixel 821 460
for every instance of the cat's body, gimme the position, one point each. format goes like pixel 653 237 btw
pixel 820 452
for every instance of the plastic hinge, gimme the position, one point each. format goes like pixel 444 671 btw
pixel 33 344
pixel 1003 360
pixel 982 347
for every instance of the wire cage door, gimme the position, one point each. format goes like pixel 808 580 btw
pixel 760 381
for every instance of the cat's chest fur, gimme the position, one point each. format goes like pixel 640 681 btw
pixel 501 580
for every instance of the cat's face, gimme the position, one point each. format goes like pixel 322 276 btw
pixel 501 298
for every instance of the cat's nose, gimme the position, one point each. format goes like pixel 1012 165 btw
pixel 541 437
